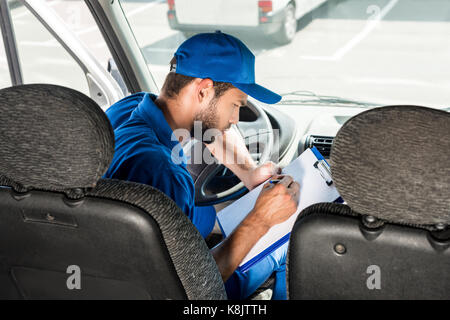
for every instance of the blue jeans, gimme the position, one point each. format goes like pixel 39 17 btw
pixel 242 284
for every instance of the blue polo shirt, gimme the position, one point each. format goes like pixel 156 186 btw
pixel 143 154
pixel 146 153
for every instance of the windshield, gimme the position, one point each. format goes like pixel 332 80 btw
pixel 373 51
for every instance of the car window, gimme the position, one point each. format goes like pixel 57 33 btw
pixel 5 80
pixel 42 58
pixel 79 19
pixel 148 20
pixel 377 51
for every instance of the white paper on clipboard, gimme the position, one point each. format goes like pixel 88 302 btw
pixel 313 189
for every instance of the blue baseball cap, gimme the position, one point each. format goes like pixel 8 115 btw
pixel 222 58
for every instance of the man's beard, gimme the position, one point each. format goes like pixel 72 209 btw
pixel 209 121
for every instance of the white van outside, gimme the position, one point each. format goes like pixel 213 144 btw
pixel 276 19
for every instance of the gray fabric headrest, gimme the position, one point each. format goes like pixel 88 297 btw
pixel 52 138
pixel 394 163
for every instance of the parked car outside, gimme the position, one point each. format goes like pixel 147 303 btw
pixel 276 19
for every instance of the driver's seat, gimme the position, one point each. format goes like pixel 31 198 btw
pixel 67 234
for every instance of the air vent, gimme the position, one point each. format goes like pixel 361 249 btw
pixel 322 143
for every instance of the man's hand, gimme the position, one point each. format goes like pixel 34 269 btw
pixel 229 148
pixel 258 174
pixel 275 204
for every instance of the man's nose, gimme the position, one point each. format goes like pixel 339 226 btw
pixel 235 117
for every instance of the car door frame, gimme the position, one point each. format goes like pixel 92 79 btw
pixel 103 89
pixel 118 35
pixel 9 42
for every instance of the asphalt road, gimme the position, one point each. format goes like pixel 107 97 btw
pixel 385 51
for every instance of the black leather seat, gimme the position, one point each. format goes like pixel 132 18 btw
pixel 128 241
pixel 391 239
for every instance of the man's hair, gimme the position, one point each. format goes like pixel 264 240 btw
pixel 175 82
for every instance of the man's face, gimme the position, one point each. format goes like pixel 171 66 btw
pixel 222 112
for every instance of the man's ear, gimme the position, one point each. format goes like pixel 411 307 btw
pixel 205 90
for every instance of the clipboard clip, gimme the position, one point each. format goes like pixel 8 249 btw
pixel 324 170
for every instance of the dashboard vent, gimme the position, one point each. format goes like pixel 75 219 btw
pixel 322 143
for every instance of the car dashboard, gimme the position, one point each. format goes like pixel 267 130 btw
pixel 301 127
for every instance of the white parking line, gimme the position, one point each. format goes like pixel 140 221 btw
pixel 371 24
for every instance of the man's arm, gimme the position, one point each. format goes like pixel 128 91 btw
pixel 275 204
pixel 230 150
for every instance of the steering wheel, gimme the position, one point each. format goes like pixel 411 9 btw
pixel 213 182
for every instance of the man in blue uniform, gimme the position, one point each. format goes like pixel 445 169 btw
pixel 211 76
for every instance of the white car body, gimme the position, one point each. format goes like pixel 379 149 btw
pixel 238 15
pixel 234 12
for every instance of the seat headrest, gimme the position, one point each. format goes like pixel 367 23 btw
pixel 52 138
pixel 394 163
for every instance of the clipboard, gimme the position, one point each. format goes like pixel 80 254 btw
pixel 312 172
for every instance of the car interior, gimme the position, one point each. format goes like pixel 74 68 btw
pixel 389 160
pixel 395 213
pixel 131 239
